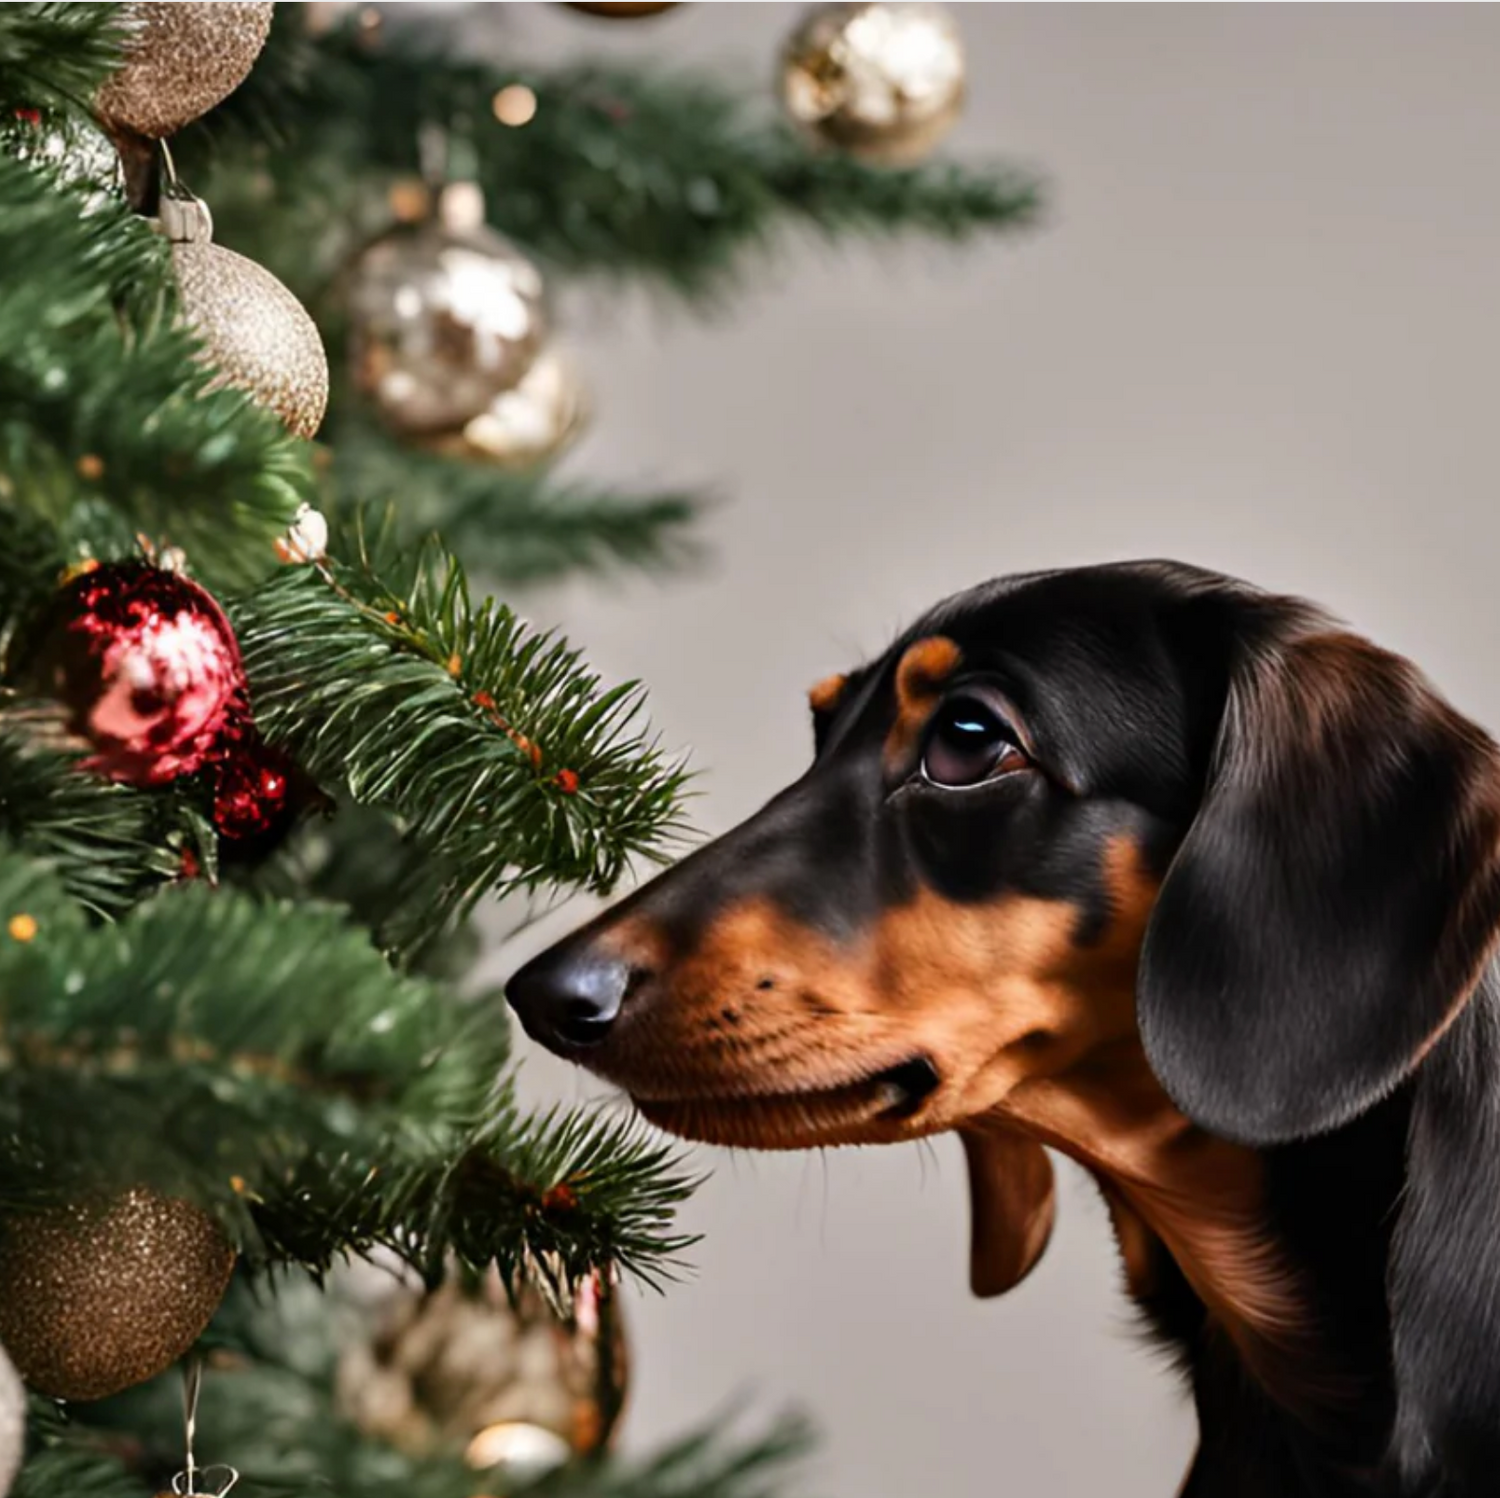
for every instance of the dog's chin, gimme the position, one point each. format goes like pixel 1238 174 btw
pixel 886 1108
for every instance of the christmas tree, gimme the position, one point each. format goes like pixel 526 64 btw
pixel 264 748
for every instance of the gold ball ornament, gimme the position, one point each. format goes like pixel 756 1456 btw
pixel 258 334
pixel 12 1422
pixel 516 1387
pixel 528 425
pixel 99 1296
pixel 183 58
pixel 444 315
pixel 884 82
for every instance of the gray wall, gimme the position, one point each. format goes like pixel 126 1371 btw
pixel 1259 333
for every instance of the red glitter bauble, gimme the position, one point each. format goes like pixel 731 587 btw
pixel 148 666
pixel 252 792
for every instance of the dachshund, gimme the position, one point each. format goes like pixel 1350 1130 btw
pixel 1180 878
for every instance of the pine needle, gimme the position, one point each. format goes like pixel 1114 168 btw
pixel 508 763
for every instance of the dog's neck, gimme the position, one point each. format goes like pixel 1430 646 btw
pixel 1174 1189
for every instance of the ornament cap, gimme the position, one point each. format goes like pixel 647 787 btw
pixel 461 207
pixel 186 220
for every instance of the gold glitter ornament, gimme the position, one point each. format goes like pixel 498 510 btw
pixel 12 1422
pixel 527 425
pixel 258 334
pixel 183 58
pixel 444 315
pixel 99 1296
pixel 517 1387
pixel 884 82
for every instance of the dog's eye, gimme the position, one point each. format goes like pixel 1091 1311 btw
pixel 968 741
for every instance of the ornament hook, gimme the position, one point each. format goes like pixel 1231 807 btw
pixel 192 1383
pixel 195 1481
pixel 200 1485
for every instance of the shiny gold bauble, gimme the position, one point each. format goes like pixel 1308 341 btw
pixel 515 1387
pixel 183 58
pixel 444 316
pixel 882 82
pixel 258 335
pixel 98 1296
pixel 527 425
pixel 12 1423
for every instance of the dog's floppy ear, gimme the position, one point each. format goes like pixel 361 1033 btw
pixel 1011 1208
pixel 1443 1283
pixel 1329 911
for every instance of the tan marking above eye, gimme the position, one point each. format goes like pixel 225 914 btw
pixel 923 670
pixel 824 696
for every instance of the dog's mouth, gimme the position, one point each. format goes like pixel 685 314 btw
pixel 871 1107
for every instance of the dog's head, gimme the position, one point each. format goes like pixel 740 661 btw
pixel 1138 835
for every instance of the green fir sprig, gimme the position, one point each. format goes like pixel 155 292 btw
pixel 109 426
pixel 265 1060
pixel 508 763
pixel 55 55
pixel 515 528
pixel 109 844
pixel 273 1412
pixel 674 180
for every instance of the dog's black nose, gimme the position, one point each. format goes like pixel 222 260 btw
pixel 569 996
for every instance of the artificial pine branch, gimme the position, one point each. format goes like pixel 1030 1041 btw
pixel 546 1198
pixel 260 1035
pixel 58 1465
pixel 270 1407
pixel 266 1061
pixel 32 560
pixel 109 844
pixel 586 1191
pixel 57 55
pixel 621 172
pixel 515 528
pixel 108 425
pixel 508 764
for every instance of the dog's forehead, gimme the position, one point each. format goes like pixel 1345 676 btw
pixel 1092 657
pixel 1106 618
pixel 1122 598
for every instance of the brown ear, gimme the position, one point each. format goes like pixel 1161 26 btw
pixel 1011 1207
pixel 1329 912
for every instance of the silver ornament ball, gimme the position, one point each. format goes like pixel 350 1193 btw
pixel 528 425
pixel 445 315
pixel 884 82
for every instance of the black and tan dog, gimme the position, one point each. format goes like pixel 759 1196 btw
pixel 1183 880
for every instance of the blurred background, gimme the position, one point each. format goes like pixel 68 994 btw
pixel 1256 331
